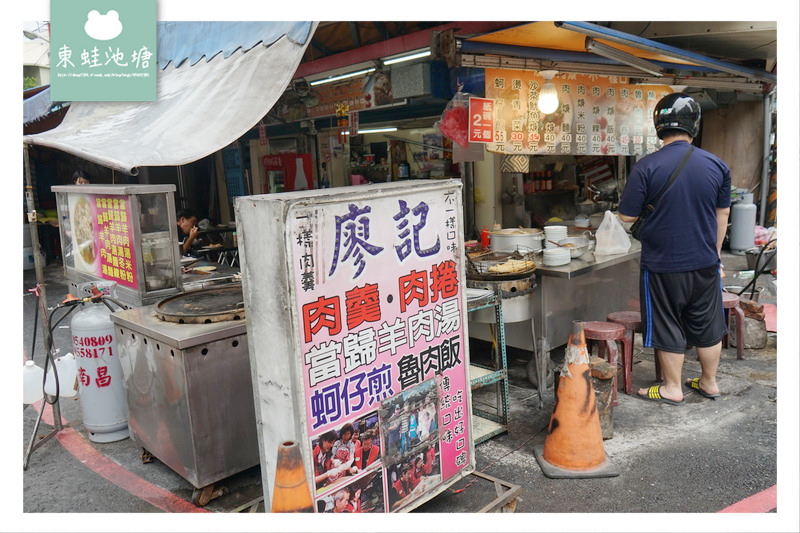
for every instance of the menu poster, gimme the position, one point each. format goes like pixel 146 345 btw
pixel 481 120
pixel 597 115
pixel 101 237
pixel 384 352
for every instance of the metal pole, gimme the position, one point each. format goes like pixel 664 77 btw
pixel 38 263
pixel 765 155
pixel 470 231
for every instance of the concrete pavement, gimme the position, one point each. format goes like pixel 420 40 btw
pixel 699 458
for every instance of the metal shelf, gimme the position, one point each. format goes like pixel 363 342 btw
pixel 486 425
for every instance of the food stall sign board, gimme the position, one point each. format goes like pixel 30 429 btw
pixel 102 237
pixel 597 115
pixel 481 120
pixel 363 356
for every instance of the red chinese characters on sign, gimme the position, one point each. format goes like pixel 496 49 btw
pixel 353 122
pixel 481 120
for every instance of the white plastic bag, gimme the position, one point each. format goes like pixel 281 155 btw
pixel 611 236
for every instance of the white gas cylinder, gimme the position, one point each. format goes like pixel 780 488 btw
pixel 743 225
pixel 103 397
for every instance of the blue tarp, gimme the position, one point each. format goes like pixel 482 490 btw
pixel 36 106
pixel 182 40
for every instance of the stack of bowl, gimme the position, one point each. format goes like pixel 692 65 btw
pixel 553 234
pixel 556 256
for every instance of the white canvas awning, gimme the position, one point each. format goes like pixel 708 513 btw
pixel 200 109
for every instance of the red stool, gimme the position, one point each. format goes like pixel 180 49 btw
pixel 730 302
pixel 632 321
pixel 606 334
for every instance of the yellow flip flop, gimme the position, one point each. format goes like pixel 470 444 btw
pixel 694 384
pixel 654 395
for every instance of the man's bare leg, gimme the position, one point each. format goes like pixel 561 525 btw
pixel 709 362
pixel 672 368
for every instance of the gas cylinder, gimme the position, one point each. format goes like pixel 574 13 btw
pixel 743 225
pixel 101 386
pixel 403 169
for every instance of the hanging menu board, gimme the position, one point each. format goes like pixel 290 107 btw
pixel 597 115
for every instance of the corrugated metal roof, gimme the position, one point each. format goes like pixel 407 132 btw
pixel 194 40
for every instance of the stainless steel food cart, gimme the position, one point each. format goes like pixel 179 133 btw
pixel 121 233
pixel 589 287
pixel 189 389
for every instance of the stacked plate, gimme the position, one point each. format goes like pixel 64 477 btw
pixel 556 256
pixel 554 234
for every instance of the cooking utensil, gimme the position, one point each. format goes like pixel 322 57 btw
pixel 577 245
pixel 516 239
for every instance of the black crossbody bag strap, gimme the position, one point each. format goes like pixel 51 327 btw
pixel 652 205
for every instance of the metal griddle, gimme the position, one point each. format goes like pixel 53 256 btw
pixel 204 306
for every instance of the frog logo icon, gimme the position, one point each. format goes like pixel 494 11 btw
pixel 103 27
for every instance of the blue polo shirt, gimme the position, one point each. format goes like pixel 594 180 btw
pixel 681 235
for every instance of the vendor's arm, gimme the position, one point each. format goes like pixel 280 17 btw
pixel 626 218
pixel 722 226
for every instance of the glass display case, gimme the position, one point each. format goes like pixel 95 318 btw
pixel 121 233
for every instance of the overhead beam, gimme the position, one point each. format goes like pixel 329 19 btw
pixel 396 45
pixel 354 34
pixel 381 27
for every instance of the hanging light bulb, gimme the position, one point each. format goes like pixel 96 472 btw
pixel 548 96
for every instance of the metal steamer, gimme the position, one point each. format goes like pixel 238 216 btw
pixel 187 372
pixel 515 288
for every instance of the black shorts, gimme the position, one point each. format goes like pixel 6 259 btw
pixel 682 308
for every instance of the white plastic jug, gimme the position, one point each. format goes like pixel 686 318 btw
pixel 67 369
pixel 32 375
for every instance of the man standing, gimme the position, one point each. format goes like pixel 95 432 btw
pixel 680 282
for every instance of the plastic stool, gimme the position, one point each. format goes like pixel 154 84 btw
pixel 632 320
pixel 730 302
pixel 606 334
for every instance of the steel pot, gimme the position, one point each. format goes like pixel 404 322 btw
pixel 516 239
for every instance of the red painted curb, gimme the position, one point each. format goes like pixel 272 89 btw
pixel 83 451
pixel 763 502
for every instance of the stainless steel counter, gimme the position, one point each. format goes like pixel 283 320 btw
pixel 589 262
pixel 180 336
pixel 222 274
pixel 588 288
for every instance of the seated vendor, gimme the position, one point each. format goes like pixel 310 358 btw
pixel 187 230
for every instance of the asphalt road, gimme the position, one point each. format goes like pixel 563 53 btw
pixel 698 458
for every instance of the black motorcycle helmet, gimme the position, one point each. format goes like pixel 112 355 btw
pixel 677 111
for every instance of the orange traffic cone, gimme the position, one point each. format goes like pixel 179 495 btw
pixel 291 493
pixel 574 444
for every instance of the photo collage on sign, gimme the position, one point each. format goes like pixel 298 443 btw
pixel 344 453
pixel 402 436
pixel 363 495
pixel 410 435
